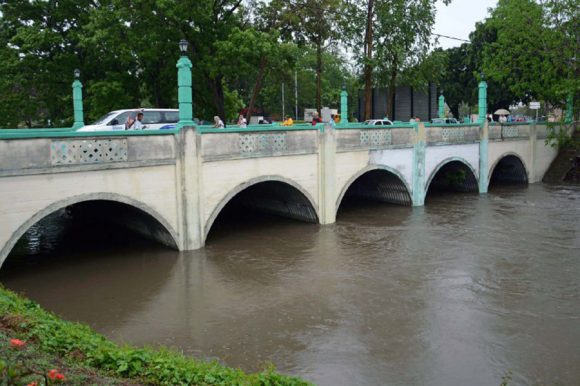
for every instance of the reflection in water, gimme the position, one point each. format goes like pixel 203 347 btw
pixel 457 292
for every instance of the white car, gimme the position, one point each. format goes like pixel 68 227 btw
pixel 377 122
pixel 153 119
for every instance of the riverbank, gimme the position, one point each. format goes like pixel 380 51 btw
pixel 38 346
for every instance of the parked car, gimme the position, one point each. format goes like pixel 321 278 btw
pixel 377 122
pixel 153 119
pixel 445 121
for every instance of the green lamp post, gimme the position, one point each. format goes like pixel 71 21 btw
pixel 184 95
pixel 441 105
pixel 482 100
pixel 343 104
pixel 77 87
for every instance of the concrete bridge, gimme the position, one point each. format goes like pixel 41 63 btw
pixel 171 185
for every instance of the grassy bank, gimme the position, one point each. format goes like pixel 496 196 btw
pixel 44 342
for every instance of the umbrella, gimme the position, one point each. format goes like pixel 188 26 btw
pixel 502 112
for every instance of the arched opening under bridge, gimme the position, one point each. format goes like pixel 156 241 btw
pixel 71 227
pixel 375 185
pixel 261 204
pixel 453 176
pixel 509 170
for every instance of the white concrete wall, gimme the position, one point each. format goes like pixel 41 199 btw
pixel 543 159
pixel 498 150
pixel 435 155
pixel 24 197
pixel 222 178
pixel 349 165
pixel 400 160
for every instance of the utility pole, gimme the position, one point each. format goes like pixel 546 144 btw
pixel 296 93
pixel 283 107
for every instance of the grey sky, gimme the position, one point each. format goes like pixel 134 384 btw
pixel 458 19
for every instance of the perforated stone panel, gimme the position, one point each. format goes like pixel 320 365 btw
pixel 510 132
pixel 453 134
pixel 88 151
pixel 263 143
pixel 375 138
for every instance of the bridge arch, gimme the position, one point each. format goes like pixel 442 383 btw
pixel 468 182
pixel 283 186
pixel 509 168
pixel 83 198
pixel 388 183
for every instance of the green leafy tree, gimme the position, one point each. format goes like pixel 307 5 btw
pixel 389 37
pixel 39 48
pixel 535 53
pixel 463 70
pixel 308 22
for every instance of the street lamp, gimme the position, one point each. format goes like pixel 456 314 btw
pixel 184 94
pixel 183 44
pixel 77 87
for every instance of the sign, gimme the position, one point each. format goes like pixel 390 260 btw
pixel 535 105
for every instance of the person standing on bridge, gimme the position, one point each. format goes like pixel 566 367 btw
pixel 218 123
pixel 242 121
pixel 332 121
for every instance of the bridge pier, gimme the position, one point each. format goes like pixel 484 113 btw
pixel 190 181
pixel 418 167
pixel 483 157
pixel 327 173
pixel 533 143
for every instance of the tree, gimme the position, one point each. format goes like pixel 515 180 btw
pixel 309 22
pixel 536 48
pixel 250 54
pixel 395 36
pixel 464 68
pixel 39 48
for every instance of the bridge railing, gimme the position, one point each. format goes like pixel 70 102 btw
pixel 510 131
pixel 30 151
pixel 358 136
pixel 258 141
pixel 452 134
pixel 67 132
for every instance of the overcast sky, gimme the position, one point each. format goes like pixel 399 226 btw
pixel 458 19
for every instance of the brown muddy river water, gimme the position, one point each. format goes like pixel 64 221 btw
pixel 459 292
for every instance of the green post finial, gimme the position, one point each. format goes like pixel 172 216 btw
pixel 482 100
pixel 184 96
pixel 441 106
pixel 343 105
pixel 77 87
pixel 570 108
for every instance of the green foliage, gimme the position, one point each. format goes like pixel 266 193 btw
pixel 559 136
pixel 390 38
pixel 505 380
pixel 455 179
pixel 78 343
pixel 536 49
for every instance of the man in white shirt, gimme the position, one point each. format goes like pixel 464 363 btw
pixel 138 125
pixel 135 123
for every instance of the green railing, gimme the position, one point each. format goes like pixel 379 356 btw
pixel 30 134
pixel 259 128
pixel 206 129
pixel 452 124
pixel 360 125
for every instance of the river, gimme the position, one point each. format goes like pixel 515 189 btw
pixel 462 291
